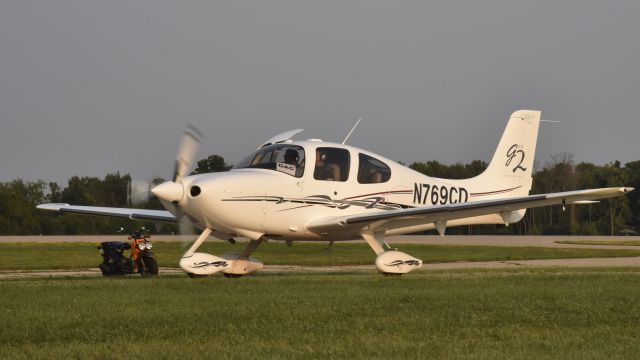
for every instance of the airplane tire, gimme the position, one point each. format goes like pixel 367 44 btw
pixel 195 276
pixel 232 276
pixel 104 269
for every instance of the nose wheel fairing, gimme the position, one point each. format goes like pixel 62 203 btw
pixel 203 264
pixel 229 263
pixel 233 263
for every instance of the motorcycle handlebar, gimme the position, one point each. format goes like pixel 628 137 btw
pixel 139 234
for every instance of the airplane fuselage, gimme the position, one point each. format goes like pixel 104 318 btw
pixel 253 201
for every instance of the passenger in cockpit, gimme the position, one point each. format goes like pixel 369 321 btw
pixel 325 170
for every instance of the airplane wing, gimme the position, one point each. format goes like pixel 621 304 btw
pixel 133 214
pixel 389 220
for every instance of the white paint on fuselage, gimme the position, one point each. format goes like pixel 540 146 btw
pixel 245 201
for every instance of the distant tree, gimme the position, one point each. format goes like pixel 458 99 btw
pixel 633 171
pixel 111 191
pixel 609 215
pixel 619 211
pixel 92 191
pixel 18 200
pixel 431 168
pixel 475 167
pixel 213 163
pixel 557 175
pixel 589 177
pixel 434 168
pixel 55 193
pixel 82 191
pixel 114 189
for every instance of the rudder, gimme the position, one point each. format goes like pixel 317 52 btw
pixel 510 170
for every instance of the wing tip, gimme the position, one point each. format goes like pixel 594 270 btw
pixel 51 206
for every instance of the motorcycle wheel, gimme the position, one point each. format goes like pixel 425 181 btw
pixel 104 269
pixel 150 266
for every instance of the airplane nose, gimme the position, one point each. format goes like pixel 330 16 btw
pixel 169 191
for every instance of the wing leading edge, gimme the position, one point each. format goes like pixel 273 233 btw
pixel 133 214
pixel 394 219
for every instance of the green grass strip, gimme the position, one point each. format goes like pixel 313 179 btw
pixel 519 314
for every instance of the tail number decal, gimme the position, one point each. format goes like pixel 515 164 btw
pixel 438 195
pixel 515 151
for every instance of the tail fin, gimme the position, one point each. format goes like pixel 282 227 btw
pixel 509 172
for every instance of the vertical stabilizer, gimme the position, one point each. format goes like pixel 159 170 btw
pixel 510 170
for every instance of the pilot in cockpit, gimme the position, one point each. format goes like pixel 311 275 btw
pixel 291 157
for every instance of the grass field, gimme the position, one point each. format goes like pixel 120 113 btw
pixel 488 314
pixel 36 256
pixel 598 242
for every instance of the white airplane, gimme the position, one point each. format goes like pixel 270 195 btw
pixel 320 191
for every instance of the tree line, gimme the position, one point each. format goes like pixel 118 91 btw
pixel 18 198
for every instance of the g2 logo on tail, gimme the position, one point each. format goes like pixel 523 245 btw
pixel 514 151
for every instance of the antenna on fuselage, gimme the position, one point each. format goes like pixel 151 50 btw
pixel 350 132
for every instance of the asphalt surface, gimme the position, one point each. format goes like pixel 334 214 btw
pixel 550 263
pixel 513 241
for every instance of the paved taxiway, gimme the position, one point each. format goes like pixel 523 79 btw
pixel 478 240
pixel 573 263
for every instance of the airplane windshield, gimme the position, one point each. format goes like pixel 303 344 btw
pixel 288 159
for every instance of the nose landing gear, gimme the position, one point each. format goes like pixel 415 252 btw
pixel 231 264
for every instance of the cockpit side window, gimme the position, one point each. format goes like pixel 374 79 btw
pixel 332 164
pixel 288 159
pixel 372 170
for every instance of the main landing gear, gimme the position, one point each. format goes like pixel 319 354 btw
pixel 232 264
pixel 390 262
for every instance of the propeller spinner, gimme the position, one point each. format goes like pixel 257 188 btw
pixel 173 191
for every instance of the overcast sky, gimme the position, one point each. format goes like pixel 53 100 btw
pixel 91 87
